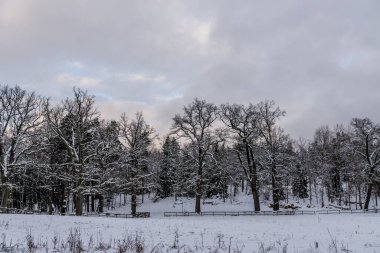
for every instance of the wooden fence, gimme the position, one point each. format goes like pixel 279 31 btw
pixel 177 214
pixel 114 215
pixel 266 213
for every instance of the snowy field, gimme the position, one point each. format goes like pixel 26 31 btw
pixel 308 233
pixel 241 202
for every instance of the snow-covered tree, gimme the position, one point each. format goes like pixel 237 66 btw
pixel 73 122
pixel 20 117
pixel 242 123
pixel 366 145
pixel 195 126
pixel 273 143
pixel 169 166
pixel 137 136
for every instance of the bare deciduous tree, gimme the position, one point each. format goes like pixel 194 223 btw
pixel 274 141
pixel 366 144
pixel 20 116
pixel 71 122
pixel 195 125
pixel 242 122
pixel 137 136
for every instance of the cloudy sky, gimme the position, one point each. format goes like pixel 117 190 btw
pixel 319 60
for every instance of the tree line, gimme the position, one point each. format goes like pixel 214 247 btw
pixel 53 154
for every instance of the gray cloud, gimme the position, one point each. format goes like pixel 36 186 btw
pixel 317 59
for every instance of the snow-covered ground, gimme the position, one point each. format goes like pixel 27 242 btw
pixel 298 233
pixel 303 233
pixel 241 202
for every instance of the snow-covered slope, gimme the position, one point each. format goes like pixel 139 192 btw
pixel 241 202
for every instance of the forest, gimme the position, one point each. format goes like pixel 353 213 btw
pixel 55 153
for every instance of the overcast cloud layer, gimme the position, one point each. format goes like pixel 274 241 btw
pixel 319 60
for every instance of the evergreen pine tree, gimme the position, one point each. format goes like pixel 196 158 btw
pixel 300 183
pixel 169 162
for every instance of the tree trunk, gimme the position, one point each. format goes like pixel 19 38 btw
pixel 93 203
pixel 64 200
pixel 287 192
pixel 50 204
pixel 101 204
pixel 322 199
pixel 310 192
pixel 78 204
pixel 23 198
pixel 255 195
pixel 349 199
pixel 356 199
pixel 73 203
pixel 253 176
pixel 4 191
pixel 4 194
pixel 88 203
pixel 368 196
pixel 275 192
pixel 360 197
pixel 4 177
pixel 198 191
pixel 4 182
pixel 133 203
pixel 198 198
pixel 316 190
